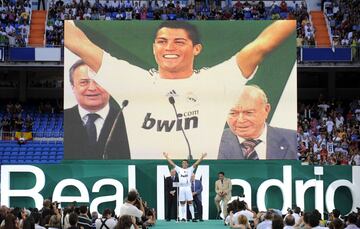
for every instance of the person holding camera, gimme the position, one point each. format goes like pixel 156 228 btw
pixel 129 207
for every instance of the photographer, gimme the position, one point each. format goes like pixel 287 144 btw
pixel 129 207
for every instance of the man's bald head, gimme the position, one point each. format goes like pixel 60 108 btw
pixel 247 117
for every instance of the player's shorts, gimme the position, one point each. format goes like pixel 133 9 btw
pixel 185 194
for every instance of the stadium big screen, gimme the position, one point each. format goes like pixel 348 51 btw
pixel 131 71
pixel 147 115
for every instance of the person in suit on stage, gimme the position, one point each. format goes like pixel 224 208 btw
pixel 223 189
pixel 89 124
pixel 249 136
pixel 197 188
pixel 171 195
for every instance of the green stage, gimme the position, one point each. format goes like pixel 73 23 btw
pixel 208 224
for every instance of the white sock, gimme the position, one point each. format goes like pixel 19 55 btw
pixel 182 211
pixel 191 208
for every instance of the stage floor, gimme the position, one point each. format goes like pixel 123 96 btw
pixel 207 224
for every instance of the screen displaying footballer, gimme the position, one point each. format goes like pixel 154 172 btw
pixel 136 89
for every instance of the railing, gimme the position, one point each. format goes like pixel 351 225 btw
pixel 354 51
pixel 40 136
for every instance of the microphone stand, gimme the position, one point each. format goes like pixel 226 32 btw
pixel 105 154
pixel 172 102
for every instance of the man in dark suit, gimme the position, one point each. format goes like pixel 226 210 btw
pixel 196 188
pixel 249 136
pixel 171 195
pixel 89 124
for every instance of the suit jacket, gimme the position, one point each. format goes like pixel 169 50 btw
pixel 198 188
pixel 225 186
pixel 281 144
pixel 76 146
pixel 169 185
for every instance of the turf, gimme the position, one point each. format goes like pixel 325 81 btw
pixel 207 224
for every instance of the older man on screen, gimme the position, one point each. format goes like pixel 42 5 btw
pixel 249 136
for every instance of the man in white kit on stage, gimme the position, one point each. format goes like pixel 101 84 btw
pixel 185 194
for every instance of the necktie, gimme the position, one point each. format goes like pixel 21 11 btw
pixel 91 128
pixel 193 186
pixel 248 148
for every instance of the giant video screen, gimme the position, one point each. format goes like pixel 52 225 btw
pixel 134 90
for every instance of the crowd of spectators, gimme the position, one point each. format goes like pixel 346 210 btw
pixel 165 10
pixel 134 214
pixel 242 217
pixel 15 118
pixel 14 19
pixel 344 21
pixel 329 132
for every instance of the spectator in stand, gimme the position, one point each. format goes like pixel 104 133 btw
pixel 6 127
pixel 18 123
pixel 340 135
pixel 29 122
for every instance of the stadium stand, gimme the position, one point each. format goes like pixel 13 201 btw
pixel 31 134
pixel 328 132
pixel 342 30
pixel 15 18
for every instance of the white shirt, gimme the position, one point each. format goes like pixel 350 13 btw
pixel 37 226
pixel 248 214
pixel 261 147
pixel 288 227
pixel 330 125
pixel 184 175
pixel 131 210
pixel 202 100
pixel 297 217
pixel 99 123
pixel 109 222
pixel 266 224
pixel 352 226
pixel 339 121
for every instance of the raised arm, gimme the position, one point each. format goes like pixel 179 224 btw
pixel 166 155
pixel 252 54
pixel 77 42
pixel 199 160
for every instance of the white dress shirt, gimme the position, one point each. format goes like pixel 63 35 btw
pixel 99 123
pixel 261 147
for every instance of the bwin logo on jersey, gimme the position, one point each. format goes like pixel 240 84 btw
pixel 169 125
